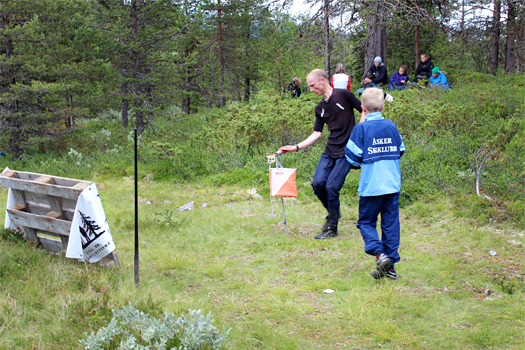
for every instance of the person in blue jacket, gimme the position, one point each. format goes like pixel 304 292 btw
pixel 438 80
pixel 398 80
pixel 377 146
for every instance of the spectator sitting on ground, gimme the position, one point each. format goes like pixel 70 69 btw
pixel 379 73
pixel 294 87
pixel 424 68
pixel 439 80
pixel 398 80
pixel 365 86
pixel 369 77
pixel 340 80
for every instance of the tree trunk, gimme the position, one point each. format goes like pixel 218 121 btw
pixel 125 118
pixel 14 143
pixel 495 38
pixel 462 29
pixel 327 36
pixel 510 60
pixel 221 58
pixel 67 110
pixel 247 71
pixel 375 34
pixel 416 44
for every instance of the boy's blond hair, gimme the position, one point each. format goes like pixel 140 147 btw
pixel 373 99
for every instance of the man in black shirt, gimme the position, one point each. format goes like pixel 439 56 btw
pixel 336 110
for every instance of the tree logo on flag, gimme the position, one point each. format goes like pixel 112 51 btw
pixel 89 230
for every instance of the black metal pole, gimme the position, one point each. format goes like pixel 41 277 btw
pixel 137 279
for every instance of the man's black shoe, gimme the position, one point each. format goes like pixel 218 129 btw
pixel 326 224
pixel 329 233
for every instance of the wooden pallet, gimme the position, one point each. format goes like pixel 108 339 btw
pixel 44 207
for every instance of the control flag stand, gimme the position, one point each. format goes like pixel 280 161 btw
pixel 282 182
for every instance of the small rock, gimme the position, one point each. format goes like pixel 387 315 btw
pixel 187 206
pixel 148 202
pixel 328 291
pixel 493 253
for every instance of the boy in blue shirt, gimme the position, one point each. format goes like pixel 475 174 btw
pixel 439 80
pixel 376 145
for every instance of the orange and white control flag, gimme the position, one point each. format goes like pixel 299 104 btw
pixel 283 182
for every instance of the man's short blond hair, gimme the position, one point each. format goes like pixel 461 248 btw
pixel 317 74
pixel 373 99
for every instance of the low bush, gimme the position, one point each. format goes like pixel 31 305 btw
pixel 132 329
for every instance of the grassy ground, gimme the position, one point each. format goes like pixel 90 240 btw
pixel 229 258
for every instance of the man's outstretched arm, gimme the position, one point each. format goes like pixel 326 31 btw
pixel 310 140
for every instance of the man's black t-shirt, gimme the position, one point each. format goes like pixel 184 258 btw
pixel 338 114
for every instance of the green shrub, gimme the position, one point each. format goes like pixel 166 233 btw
pixel 132 329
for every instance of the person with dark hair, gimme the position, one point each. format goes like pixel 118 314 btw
pixel 379 73
pixel 424 68
pixel 398 80
pixel 294 87
pixel 340 80
pixel 336 110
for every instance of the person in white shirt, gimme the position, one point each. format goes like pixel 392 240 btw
pixel 340 80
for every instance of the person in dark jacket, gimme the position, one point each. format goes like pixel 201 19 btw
pixel 294 87
pixel 378 70
pixel 398 80
pixel 424 68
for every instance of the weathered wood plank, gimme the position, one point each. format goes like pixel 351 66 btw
pixel 110 260
pixel 31 234
pixel 82 185
pixel 39 222
pixel 19 198
pixel 18 207
pixel 8 173
pixel 54 202
pixel 65 241
pixel 53 214
pixel 52 245
pixel 57 180
pixel 44 179
pixel 41 188
pixel 43 200
pixel 43 209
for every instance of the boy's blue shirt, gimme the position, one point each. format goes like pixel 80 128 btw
pixel 376 145
pixel 440 79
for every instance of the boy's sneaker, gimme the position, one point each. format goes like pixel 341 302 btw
pixel 383 262
pixel 390 273
pixel 329 233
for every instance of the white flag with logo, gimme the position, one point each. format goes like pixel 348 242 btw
pixel 90 238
